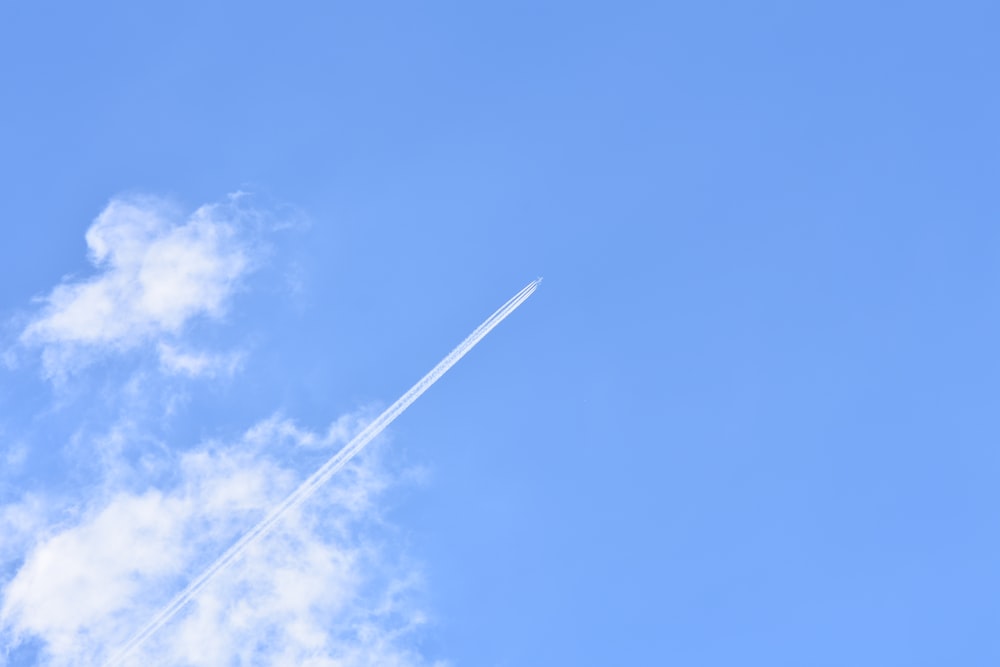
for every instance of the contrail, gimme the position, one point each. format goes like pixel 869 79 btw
pixel 318 478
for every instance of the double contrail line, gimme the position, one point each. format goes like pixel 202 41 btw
pixel 318 478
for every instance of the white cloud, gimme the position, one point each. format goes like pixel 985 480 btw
pixel 21 523
pixel 175 361
pixel 321 590
pixel 87 573
pixel 91 560
pixel 283 431
pixel 156 271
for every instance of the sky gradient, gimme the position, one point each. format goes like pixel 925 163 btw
pixel 749 417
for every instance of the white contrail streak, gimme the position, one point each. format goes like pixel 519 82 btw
pixel 318 478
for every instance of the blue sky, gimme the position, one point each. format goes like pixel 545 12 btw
pixel 749 417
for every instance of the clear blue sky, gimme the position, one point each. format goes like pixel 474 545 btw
pixel 750 417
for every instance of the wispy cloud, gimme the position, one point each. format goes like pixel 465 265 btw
pixel 21 523
pixel 176 361
pixel 156 270
pixel 86 563
pixel 319 590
